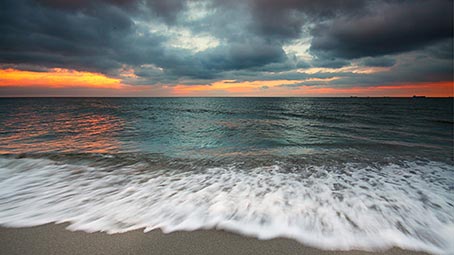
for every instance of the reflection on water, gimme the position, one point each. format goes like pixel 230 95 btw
pixel 231 128
pixel 333 173
pixel 27 131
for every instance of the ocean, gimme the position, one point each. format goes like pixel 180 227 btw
pixel 332 173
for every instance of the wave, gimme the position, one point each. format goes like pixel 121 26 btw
pixel 348 206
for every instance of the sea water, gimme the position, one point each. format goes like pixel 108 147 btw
pixel 333 173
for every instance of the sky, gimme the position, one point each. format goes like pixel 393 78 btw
pixel 304 48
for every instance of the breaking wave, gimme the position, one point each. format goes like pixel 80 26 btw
pixel 348 206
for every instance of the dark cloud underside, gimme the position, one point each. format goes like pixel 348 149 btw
pixel 243 40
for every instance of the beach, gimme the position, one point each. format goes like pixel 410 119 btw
pixel 55 239
pixel 322 173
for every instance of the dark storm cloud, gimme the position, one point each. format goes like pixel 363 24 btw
pixel 379 62
pixel 330 63
pixel 102 37
pixel 209 64
pixel 284 19
pixel 385 28
pixel 167 10
pixel 443 50
pixel 82 4
pixel 33 34
pixel 418 70
pixel 109 36
pixel 242 55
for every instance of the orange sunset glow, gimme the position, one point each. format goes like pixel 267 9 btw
pixel 280 88
pixel 431 89
pixel 56 78
pixel 60 79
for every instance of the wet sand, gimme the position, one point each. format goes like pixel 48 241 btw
pixel 55 239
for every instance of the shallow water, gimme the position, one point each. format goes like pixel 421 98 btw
pixel 332 173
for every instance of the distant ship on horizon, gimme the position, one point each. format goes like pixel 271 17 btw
pixel 415 96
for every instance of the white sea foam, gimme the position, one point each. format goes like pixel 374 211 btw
pixel 351 207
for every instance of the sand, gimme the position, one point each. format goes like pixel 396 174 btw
pixel 55 239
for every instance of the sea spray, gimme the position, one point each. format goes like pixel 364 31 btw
pixel 408 205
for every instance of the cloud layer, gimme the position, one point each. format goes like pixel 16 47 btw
pixel 156 43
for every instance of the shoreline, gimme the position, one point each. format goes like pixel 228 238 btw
pixel 53 238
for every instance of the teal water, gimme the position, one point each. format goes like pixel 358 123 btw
pixel 214 128
pixel 335 173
